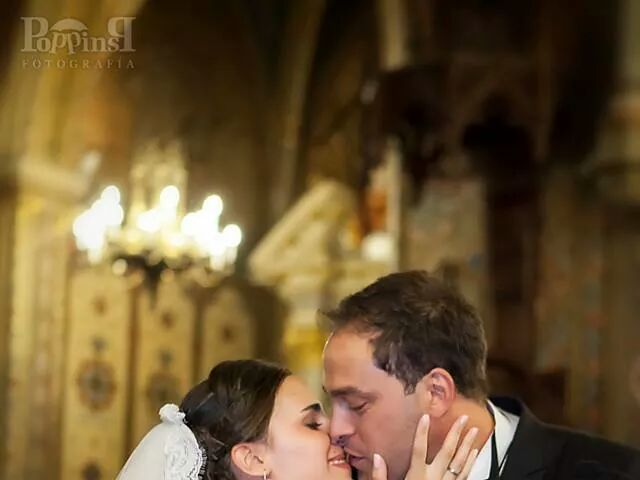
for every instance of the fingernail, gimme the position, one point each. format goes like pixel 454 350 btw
pixel 425 418
pixel 464 419
pixel 475 452
pixel 377 460
pixel 473 432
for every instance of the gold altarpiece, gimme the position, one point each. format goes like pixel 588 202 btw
pixel 311 261
pixel 90 356
pixel 130 351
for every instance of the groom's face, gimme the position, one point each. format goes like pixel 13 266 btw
pixel 370 411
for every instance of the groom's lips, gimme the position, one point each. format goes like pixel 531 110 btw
pixel 356 461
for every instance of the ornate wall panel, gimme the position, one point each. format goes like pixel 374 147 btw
pixel 128 353
pixel 228 330
pixel 163 354
pixel 97 375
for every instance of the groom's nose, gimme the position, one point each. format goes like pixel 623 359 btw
pixel 341 427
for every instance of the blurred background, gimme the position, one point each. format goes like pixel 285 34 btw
pixel 187 182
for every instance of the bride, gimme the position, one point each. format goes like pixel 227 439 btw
pixel 254 420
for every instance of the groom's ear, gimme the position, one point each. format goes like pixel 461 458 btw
pixel 250 459
pixel 436 392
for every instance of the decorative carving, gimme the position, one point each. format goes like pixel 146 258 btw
pixel 99 306
pixel 92 471
pixel 163 387
pixel 99 344
pixel 96 384
pixel 305 238
pixel 168 319
pixel 228 333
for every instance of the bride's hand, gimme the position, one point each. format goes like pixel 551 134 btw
pixel 449 464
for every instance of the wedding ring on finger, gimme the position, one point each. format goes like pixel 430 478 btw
pixel 453 472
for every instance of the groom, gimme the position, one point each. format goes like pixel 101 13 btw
pixel 408 345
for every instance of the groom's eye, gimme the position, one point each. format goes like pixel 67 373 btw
pixel 358 408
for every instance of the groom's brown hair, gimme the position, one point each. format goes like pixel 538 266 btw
pixel 418 324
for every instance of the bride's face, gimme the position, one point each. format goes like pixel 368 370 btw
pixel 298 440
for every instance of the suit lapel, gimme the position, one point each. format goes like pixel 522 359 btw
pixel 533 451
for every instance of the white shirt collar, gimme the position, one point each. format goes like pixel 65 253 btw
pixel 505 429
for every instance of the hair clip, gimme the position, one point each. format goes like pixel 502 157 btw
pixel 220 450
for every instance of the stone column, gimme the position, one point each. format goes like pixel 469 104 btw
pixel 616 168
pixel 621 339
pixel 37 247
pixel 569 298
pixel 393 33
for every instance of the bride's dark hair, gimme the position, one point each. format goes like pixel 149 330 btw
pixel 234 405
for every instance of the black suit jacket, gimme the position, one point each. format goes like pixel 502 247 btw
pixel 545 452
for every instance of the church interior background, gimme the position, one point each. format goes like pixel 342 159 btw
pixel 494 143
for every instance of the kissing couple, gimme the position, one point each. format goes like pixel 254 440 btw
pixel 405 371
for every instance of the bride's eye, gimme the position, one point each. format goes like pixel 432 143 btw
pixel 314 425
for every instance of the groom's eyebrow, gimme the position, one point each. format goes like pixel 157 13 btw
pixel 314 408
pixel 347 391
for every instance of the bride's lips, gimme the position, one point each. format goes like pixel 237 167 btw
pixel 339 461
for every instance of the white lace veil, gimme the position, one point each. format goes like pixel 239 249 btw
pixel 169 451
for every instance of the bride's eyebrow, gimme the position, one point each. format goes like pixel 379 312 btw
pixel 315 407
